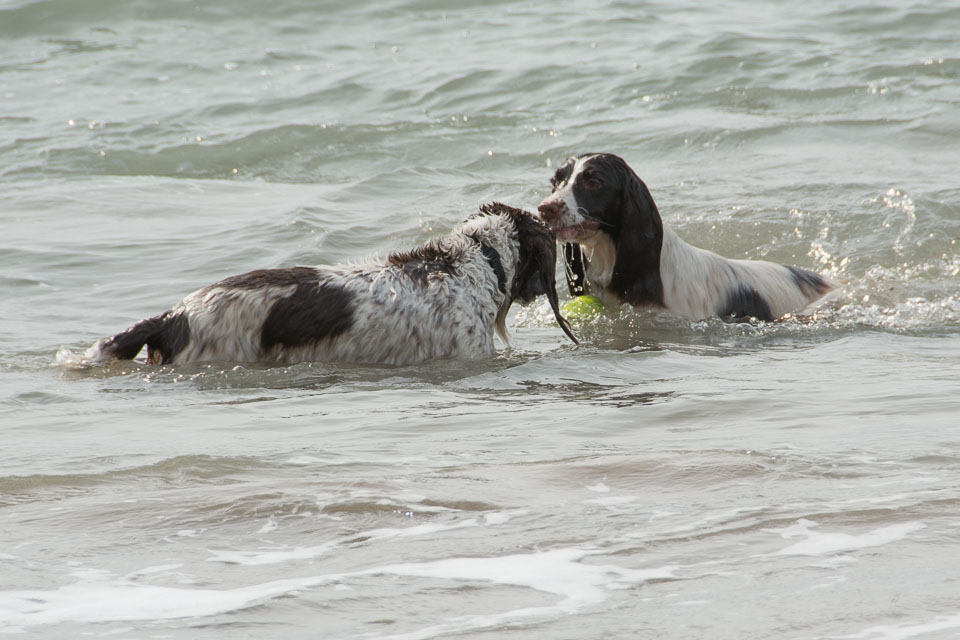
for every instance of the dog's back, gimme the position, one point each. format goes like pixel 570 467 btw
pixel 443 299
pixel 373 313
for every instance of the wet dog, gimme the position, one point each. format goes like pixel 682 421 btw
pixel 617 246
pixel 444 299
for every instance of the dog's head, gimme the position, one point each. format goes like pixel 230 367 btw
pixel 537 262
pixel 598 193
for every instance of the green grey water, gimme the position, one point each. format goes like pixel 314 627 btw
pixel 665 479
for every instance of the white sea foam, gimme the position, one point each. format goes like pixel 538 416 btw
pixel 613 501
pixel 271 556
pixel 883 632
pixel 502 517
pixel 305 460
pixel 275 556
pixel 417 530
pixel 559 572
pixel 823 543
pixel 123 600
pixel 269 525
pixel 71 361
pixel 163 568
pixel 97 597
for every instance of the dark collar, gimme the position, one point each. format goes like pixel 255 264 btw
pixel 575 266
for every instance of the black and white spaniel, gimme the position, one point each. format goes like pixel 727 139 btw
pixel 443 299
pixel 617 244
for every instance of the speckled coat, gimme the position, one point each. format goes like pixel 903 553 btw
pixel 443 299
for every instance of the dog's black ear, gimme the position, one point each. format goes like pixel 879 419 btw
pixel 546 258
pixel 536 273
pixel 544 254
pixel 636 270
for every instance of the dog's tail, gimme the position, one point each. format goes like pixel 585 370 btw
pixel 164 336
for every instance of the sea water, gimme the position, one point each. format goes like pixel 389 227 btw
pixel 665 479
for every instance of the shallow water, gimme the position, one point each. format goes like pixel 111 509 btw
pixel 665 479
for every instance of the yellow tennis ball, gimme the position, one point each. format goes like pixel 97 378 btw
pixel 583 308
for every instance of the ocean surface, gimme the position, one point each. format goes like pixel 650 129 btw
pixel 665 479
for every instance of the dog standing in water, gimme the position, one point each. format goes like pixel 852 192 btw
pixel 617 242
pixel 443 299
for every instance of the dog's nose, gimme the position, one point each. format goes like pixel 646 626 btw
pixel 549 211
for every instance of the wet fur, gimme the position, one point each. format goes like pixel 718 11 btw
pixel 617 247
pixel 444 299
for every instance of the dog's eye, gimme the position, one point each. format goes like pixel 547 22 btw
pixel 591 181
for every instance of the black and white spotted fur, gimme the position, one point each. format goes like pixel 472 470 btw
pixel 617 242
pixel 443 299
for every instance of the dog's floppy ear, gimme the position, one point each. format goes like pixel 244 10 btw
pixel 636 270
pixel 545 256
pixel 536 271
pixel 543 253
